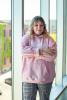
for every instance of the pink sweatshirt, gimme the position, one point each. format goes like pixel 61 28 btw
pixel 38 68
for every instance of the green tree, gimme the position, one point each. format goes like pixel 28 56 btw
pixel 2 27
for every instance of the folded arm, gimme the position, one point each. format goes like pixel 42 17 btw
pixel 49 53
pixel 27 49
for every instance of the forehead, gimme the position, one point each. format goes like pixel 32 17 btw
pixel 38 22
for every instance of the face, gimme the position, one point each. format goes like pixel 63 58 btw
pixel 38 28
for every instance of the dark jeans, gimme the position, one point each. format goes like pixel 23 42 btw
pixel 29 91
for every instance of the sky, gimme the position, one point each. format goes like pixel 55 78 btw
pixel 32 8
pixel 5 9
pixel 29 9
pixel 52 9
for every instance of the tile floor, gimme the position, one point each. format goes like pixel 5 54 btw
pixel 5 88
pixel 6 91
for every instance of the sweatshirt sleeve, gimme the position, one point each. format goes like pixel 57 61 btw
pixel 51 53
pixel 26 45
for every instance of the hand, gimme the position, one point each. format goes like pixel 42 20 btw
pixel 40 51
pixel 47 51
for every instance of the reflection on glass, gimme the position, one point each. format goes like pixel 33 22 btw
pixel 63 95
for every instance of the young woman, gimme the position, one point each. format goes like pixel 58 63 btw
pixel 38 66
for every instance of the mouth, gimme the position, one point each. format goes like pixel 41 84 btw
pixel 38 30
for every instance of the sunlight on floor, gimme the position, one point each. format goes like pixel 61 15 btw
pixel 5 88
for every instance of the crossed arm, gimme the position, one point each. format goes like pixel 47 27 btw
pixel 48 54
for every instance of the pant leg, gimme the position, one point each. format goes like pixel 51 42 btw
pixel 29 91
pixel 44 91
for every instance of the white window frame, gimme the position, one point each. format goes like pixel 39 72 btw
pixel 17 8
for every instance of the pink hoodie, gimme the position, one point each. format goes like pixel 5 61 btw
pixel 38 68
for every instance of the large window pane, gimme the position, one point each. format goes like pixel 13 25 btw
pixel 5 49
pixel 53 19
pixel 5 36
pixel 31 9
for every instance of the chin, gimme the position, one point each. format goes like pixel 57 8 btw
pixel 39 34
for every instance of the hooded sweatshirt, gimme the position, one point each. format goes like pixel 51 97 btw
pixel 38 68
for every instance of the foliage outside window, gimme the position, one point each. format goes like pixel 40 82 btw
pixel 5 47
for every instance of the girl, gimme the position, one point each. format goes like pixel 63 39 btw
pixel 38 66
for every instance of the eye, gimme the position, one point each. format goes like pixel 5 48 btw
pixel 36 25
pixel 41 25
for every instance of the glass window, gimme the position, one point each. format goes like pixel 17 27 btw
pixel 53 19
pixel 5 37
pixel 31 9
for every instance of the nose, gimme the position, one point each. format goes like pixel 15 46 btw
pixel 39 27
